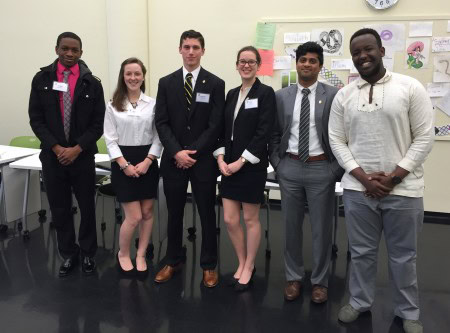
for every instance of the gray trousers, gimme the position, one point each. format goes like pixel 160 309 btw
pixel 313 183
pixel 401 219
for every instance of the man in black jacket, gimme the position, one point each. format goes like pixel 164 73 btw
pixel 66 112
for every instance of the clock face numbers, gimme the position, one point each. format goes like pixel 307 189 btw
pixel 381 4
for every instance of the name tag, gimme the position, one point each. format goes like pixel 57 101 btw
pixel 251 103
pixel 202 98
pixel 60 86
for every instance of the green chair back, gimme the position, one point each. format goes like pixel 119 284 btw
pixel 101 146
pixel 25 142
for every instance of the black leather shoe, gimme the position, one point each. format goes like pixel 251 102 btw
pixel 88 266
pixel 67 266
pixel 232 281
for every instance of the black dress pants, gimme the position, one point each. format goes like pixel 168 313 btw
pixel 60 181
pixel 175 190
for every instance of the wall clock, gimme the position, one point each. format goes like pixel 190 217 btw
pixel 381 4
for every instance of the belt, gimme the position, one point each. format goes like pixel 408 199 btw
pixel 321 157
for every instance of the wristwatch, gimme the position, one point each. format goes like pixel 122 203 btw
pixel 396 180
pixel 243 160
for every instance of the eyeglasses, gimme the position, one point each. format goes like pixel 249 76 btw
pixel 250 62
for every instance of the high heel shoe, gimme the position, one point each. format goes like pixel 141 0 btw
pixel 141 275
pixel 124 273
pixel 232 281
pixel 239 287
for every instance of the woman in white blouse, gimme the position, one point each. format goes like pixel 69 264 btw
pixel 133 146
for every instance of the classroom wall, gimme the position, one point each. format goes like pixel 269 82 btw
pixel 113 30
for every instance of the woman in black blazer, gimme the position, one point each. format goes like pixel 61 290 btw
pixel 250 111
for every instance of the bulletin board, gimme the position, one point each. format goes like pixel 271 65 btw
pixel 413 56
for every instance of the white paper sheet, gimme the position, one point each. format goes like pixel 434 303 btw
pixel 444 104
pixel 420 29
pixel 341 64
pixel 441 68
pixel 448 26
pixel 440 44
pixel 282 62
pixel 297 37
pixel 438 89
pixel 392 35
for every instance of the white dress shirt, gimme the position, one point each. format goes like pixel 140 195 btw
pixel 194 76
pixel 397 128
pixel 314 143
pixel 132 127
pixel 245 154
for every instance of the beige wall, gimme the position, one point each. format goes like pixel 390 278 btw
pixel 113 30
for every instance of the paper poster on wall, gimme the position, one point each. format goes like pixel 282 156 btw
pixel 438 89
pixel 352 78
pixel 288 78
pixel 266 68
pixel 441 68
pixel 330 39
pixel 444 104
pixel 440 44
pixel 282 62
pixel 297 37
pixel 417 53
pixel 265 34
pixel 420 29
pixel 290 51
pixel 448 26
pixel 392 36
pixel 341 64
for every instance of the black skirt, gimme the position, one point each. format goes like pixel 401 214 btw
pixel 130 189
pixel 244 186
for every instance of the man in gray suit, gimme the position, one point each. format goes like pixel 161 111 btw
pixel 306 170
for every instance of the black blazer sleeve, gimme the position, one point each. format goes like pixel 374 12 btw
pixel 36 113
pixel 88 138
pixel 208 139
pixel 162 119
pixel 267 110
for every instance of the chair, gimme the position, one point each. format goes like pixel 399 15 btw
pixel 25 142
pixel 29 141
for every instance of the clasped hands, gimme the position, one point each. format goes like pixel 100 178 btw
pixel 140 169
pixel 378 185
pixel 229 169
pixel 183 160
pixel 66 155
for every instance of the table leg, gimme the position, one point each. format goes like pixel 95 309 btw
pixel 26 233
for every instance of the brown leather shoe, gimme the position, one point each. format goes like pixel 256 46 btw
pixel 319 294
pixel 292 290
pixel 210 278
pixel 166 273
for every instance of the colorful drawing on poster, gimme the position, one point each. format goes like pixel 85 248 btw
pixel 392 36
pixel 331 78
pixel 417 52
pixel 288 78
pixel 442 130
pixel 330 39
pixel 352 78
pixel 290 51
pixel 415 55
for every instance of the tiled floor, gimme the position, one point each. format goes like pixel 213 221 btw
pixel 34 299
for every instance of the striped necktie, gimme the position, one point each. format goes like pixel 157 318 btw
pixel 303 137
pixel 67 104
pixel 188 90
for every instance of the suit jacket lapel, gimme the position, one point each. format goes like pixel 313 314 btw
pixel 321 98
pixel 251 94
pixel 178 85
pixel 289 106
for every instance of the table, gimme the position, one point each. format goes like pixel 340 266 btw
pixel 34 163
pixel 9 154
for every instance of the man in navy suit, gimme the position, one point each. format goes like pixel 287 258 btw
pixel 189 111
pixel 307 171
